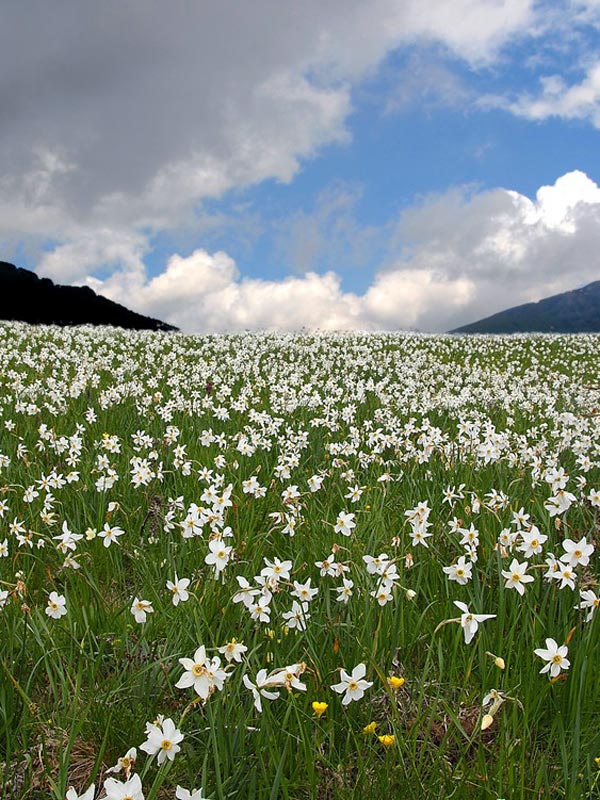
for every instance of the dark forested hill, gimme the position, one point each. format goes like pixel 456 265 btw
pixel 25 297
pixel 571 312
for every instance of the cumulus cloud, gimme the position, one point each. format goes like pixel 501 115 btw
pixel 466 255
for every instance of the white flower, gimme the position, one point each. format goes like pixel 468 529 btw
pixel 383 594
pixel 57 605
pixel 262 688
pixel 588 600
pixel 461 572
pixel 162 739
pixel 110 535
pixel 233 651
pixel 304 591
pixel 276 571
pixel 577 552
pixel 140 608
pixel 87 795
pixel 532 541
pixel 184 794
pixel 555 656
pixel 297 617
pixel 470 622
pixel 219 555
pixel 203 673
pixel 344 523
pixel 130 790
pixel 344 591
pixel 353 686
pixel 516 577
pixel 179 589
pixel 126 763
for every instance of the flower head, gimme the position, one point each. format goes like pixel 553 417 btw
pixel 319 708
pixel 162 739
pixel 352 686
pixel 555 656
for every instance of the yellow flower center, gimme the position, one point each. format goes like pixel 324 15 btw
pixel 557 659
pixel 166 744
pixel 197 669
pixel 353 685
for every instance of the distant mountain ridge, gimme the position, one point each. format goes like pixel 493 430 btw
pixel 25 297
pixel 577 311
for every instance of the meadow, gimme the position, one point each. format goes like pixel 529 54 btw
pixel 298 566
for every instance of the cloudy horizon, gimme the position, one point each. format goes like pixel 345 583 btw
pixel 331 165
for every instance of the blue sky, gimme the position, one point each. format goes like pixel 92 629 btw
pixel 245 168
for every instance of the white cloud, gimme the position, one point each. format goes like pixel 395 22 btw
pixel 466 255
pixel 556 98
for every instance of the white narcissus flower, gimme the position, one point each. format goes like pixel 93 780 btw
pixel 470 622
pixel 555 656
pixel 87 795
pixel 262 688
pixel 162 739
pixel 577 552
pixel 588 600
pixel 233 651
pixel 178 588
pixel 129 790
pixel 57 605
pixel 344 591
pixel 353 686
pixel 516 576
pixel 219 555
pixel 126 763
pixel 184 794
pixel 140 608
pixel 203 673
pixel 344 523
pixel 461 572
pixel 110 535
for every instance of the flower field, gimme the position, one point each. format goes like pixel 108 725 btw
pixel 298 566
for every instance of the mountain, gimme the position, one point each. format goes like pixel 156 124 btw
pixel 570 312
pixel 27 298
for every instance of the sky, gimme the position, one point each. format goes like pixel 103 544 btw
pixel 303 164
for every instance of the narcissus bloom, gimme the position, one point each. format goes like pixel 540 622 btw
pixel 185 794
pixel 162 739
pixel 130 790
pixel 516 576
pixel 178 588
pixel 87 795
pixel 204 674
pixel 57 605
pixel 555 656
pixel 140 608
pixel 470 622
pixel 352 686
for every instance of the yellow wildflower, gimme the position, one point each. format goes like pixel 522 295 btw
pixel 319 708
pixel 395 683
